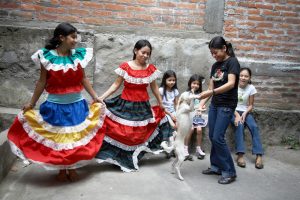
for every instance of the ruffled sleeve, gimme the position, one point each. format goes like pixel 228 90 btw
pixel 145 76
pixel 51 61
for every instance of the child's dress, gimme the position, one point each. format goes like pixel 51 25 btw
pixel 133 127
pixel 65 133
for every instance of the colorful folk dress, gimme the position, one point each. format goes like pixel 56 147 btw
pixel 133 127
pixel 66 133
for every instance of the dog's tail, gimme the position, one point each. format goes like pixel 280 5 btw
pixel 167 148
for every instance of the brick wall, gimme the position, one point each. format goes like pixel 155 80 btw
pixel 264 29
pixel 170 14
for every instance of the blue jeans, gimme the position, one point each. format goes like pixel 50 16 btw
pixel 239 135
pixel 220 158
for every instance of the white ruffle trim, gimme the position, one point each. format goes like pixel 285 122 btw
pixel 61 129
pixel 38 58
pixel 134 80
pixel 114 162
pixel 60 146
pixel 127 147
pixel 127 122
pixel 20 154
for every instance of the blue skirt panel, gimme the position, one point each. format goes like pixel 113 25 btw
pixel 64 114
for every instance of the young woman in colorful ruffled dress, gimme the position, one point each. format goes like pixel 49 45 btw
pixel 133 127
pixel 65 133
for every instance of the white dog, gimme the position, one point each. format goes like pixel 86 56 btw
pixel 184 124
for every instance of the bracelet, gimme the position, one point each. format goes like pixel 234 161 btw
pixel 213 92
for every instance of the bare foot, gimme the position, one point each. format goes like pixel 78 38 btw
pixel 73 176
pixel 62 176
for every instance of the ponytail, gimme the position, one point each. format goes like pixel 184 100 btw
pixel 229 49
pixel 63 29
pixel 53 43
pixel 219 42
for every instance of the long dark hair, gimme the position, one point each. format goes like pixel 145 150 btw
pixel 140 44
pixel 193 78
pixel 63 29
pixel 249 71
pixel 219 42
pixel 168 74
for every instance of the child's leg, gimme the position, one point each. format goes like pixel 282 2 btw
pixel 187 140
pixel 200 153
pixel 73 176
pixel 62 175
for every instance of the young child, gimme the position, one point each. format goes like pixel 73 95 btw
pixel 243 117
pixel 195 87
pixel 133 126
pixel 65 133
pixel 169 93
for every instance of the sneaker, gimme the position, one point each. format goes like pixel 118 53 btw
pixel 226 180
pixel 199 156
pixel 210 172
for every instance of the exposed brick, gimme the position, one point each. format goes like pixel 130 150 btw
pixel 114 7
pixel 79 12
pixel 9 5
pixel 190 6
pixel 136 8
pixel 93 5
pixel 91 20
pixel 256 18
pixel 102 13
pixel 265 25
pixel 144 17
pixel 55 10
pixel 167 4
pixel 146 2
pixel 264 6
pixel 245 48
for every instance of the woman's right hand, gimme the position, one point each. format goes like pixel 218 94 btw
pixel 27 107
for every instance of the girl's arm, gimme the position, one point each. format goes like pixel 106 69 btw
pixel 88 87
pixel 249 109
pixel 176 102
pixel 39 88
pixel 205 99
pixel 114 87
pixel 156 93
pixel 224 88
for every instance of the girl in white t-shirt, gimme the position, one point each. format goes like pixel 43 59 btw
pixel 199 120
pixel 169 93
pixel 243 117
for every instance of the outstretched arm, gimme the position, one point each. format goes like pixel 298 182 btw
pixel 88 87
pixel 39 88
pixel 114 87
